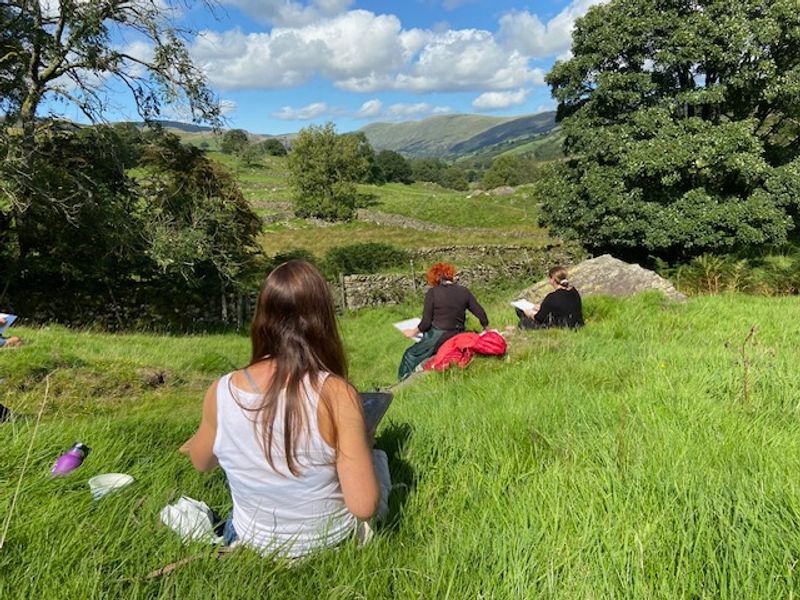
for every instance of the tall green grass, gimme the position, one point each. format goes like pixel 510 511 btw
pixel 625 460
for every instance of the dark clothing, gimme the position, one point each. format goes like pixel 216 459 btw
pixel 560 308
pixel 443 316
pixel 445 307
pixel 419 352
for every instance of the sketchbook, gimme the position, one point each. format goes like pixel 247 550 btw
pixel 409 324
pixel 523 305
pixel 9 320
pixel 375 406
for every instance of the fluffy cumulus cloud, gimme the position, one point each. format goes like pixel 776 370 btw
pixel 526 33
pixel 370 110
pixel 500 100
pixel 304 113
pixel 363 52
pixel 227 107
pixel 290 12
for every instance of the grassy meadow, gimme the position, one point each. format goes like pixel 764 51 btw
pixel 464 218
pixel 653 454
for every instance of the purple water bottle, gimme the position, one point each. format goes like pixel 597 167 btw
pixel 70 460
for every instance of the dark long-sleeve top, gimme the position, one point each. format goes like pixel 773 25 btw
pixel 561 308
pixel 445 307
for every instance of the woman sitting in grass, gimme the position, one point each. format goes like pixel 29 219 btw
pixel 289 430
pixel 443 316
pixel 8 342
pixel 560 308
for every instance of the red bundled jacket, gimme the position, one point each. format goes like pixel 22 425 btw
pixel 461 348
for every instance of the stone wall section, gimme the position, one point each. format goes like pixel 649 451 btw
pixel 359 291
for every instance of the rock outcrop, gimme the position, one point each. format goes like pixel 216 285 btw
pixel 609 276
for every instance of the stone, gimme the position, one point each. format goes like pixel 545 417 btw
pixel 608 276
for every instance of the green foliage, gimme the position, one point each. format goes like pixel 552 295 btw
pixel 435 170
pixel 681 121
pixel 234 141
pixel 393 167
pixel 505 170
pixel 198 223
pixel 178 234
pixel 370 257
pixel 291 254
pixel 272 147
pixel 712 274
pixel 427 169
pixel 324 168
pixel 454 178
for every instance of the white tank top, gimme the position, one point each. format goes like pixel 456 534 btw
pixel 277 511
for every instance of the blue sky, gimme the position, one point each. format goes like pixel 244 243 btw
pixel 280 65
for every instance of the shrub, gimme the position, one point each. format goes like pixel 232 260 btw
pixel 234 141
pixel 369 257
pixel 714 274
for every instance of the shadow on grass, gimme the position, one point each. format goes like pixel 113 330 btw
pixel 365 200
pixel 392 440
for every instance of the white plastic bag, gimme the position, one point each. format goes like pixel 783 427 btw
pixel 190 519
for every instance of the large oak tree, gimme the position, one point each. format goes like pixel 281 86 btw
pixel 682 121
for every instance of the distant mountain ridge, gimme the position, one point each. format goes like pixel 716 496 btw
pixel 444 136
pixel 452 136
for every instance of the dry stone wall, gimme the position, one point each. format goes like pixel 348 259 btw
pixel 360 291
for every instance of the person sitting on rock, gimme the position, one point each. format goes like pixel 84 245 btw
pixel 560 308
pixel 443 316
pixel 9 342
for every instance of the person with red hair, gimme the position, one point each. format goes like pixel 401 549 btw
pixel 443 316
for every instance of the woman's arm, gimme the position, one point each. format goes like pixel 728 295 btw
pixel 545 309
pixel 200 447
pixel 353 448
pixel 427 313
pixel 476 309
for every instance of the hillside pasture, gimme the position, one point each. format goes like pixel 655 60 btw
pixel 638 457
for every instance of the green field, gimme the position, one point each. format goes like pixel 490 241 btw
pixel 636 458
pixel 462 218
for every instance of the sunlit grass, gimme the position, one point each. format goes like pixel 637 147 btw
pixel 627 459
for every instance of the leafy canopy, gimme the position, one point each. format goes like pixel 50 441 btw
pixel 682 121
pixel 324 168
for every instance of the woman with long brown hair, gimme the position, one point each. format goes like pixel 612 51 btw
pixel 289 430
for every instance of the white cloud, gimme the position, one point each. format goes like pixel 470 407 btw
pixel 417 109
pixel 460 60
pixel 289 12
pixel 498 100
pixel 363 52
pixel 526 33
pixel 305 113
pixel 227 107
pixel 370 108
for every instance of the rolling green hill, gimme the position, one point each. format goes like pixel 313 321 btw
pixel 458 135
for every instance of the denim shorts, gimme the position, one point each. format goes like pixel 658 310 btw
pixel 229 534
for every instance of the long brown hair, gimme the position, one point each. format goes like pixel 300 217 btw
pixel 295 325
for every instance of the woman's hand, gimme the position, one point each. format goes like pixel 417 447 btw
pixel 531 312
pixel 185 448
pixel 410 333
